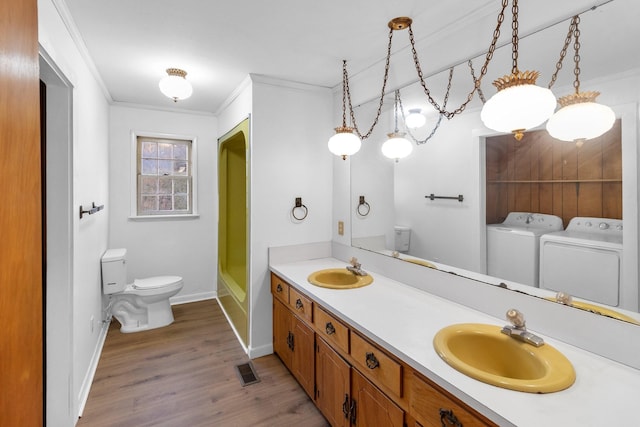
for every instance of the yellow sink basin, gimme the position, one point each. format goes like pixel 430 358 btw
pixel 339 278
pixel 484 353
pixel 598 309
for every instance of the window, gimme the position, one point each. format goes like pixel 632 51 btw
pixel 164 172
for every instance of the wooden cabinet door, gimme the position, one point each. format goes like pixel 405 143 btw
pixel 302 362
pixel 332 384
pixel 282 332
pixel 373 408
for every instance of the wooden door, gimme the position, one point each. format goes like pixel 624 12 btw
pixel 332 385
pixel 373 408
pixel 21 358
pixel 302 360
pixel 282 332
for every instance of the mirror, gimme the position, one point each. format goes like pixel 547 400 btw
pixel 450 234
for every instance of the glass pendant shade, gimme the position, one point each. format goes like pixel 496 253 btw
pixel 397 146
pixel 175 85
pixel 580 120
pixel 415 119
pixel 344 143
pixel 518 108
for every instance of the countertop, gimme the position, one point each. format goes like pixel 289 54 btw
pixel 404 320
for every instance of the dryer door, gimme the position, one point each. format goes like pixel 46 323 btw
pixel 585 272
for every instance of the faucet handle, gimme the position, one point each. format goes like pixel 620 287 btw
pixel 354 262
pixel 564 298
pixel 516 318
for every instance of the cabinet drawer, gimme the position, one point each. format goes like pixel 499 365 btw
pixel 331 329
pixel 279 289
pixel 301 305
pixel 426 404
pixel 376 364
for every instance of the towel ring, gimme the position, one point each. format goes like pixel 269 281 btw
pixel 299 204
pixel 363 208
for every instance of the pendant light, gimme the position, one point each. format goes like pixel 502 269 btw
pixel 397 146
pixel 519 103
pixel 344 143
pixel 175 85
pixel 580 117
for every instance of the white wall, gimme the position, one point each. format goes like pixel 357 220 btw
pixel 90 184
pixel 185 247
pixel 290 124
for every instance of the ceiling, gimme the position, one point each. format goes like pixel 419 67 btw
pixel 220 42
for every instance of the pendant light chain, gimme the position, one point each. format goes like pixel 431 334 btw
pixel 576 56
pixel 384 86
pixel 476 82
pixel 344 91
pixel 514 37
pixel 437 125
pixel 483 70
pixel 563 52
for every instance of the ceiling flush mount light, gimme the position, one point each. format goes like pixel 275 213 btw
pixel 344 143
pixel 397 146
pixel 175 85
pixel 580 117
pixel 519 104
pixel 415 119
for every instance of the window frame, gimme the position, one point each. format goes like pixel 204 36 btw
pixel 135 135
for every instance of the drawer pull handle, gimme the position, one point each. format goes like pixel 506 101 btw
pixel 329 329
pixel 447 415
pixel 279 288
pixel 372 362
pixel 299 304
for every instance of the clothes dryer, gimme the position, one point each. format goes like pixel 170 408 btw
pixel 584 260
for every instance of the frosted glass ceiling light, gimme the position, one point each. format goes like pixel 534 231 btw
pixel 344 143
pixel 415 119
pixel 175 85
pixel 519 104
pixel 397 146
pixel 580 117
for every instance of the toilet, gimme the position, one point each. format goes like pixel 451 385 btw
pixel 402 238
pixel 141 305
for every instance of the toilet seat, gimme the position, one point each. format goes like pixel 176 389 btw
pixel 156 282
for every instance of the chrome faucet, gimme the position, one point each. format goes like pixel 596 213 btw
pixel 518 330
pixel 529 219
pixel 355 267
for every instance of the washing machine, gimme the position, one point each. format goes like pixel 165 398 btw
pixel 584 260
pixel 513 246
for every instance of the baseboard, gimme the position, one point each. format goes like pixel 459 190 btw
pixel 263 350
pixel 184 299
pixel 91 372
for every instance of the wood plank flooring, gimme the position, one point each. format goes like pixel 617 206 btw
pixel 183 375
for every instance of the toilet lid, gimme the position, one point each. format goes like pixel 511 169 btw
pixel 156 282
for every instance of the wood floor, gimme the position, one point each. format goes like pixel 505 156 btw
pixel 183 375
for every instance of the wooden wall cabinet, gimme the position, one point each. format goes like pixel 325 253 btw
pixel 353 381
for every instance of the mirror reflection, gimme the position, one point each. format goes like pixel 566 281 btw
pixel 537 215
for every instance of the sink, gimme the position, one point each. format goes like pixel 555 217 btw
pixel 484 353
pixel 338 278
pixel 598 309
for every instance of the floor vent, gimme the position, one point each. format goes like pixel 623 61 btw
pixel 247 374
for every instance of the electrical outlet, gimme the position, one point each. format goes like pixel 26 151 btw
pixel 341 228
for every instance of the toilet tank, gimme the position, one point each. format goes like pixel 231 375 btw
pixel 114 271
pixel 402 238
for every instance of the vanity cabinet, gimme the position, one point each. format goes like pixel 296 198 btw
pixel 352 380
pixel 293 341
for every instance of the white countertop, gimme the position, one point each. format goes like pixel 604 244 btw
pixel 404 320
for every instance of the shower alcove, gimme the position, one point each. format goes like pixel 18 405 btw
pixel 233 246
